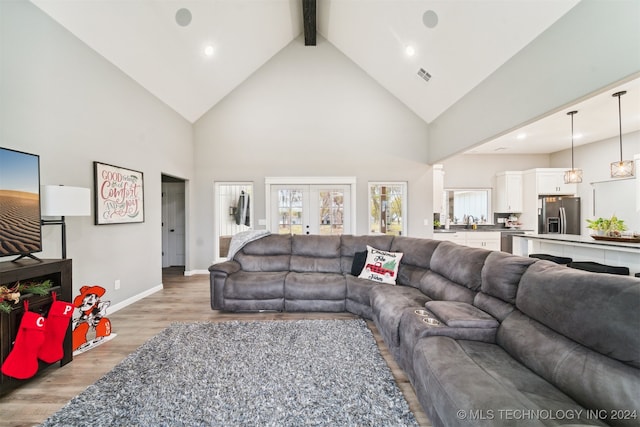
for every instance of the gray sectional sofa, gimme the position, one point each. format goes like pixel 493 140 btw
pixel 515 341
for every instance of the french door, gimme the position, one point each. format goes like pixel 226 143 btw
pixel 310 209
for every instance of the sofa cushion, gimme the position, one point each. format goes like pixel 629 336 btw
pixel 492 305
pixel 461 315
pixel 255 285
pixel 413 327
pixel 315 286
pixel 460 264
pixel 269 253
pixel 410 275
pixel 417 252
pixel 273 244
pixel 501 274
pixel 315 246
pixel 440 288
pixel 352 244
pixel 595 381
pixel 471 383
pixel 257 263
pixel 360 289
pixel 599 311
pixel 315 253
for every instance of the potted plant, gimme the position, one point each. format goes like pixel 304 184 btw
pixel 612 227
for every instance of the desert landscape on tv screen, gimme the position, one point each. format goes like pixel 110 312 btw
pixel 19 203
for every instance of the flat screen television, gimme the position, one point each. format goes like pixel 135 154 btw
pixel 20 232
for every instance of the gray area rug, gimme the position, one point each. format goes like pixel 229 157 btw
pixel 271 373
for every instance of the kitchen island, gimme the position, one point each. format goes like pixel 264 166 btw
pixel 580 248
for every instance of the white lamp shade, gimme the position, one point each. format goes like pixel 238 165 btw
pixel 60 200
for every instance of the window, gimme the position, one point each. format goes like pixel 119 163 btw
pixel 465 203
pixel 387 208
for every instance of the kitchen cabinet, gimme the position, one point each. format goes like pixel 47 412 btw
pixel 456 237
pixel 539 182
pixel 476 239
pixel 483 239
pixel 509 192
pixel 551 181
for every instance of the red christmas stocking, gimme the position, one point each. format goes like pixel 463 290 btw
pixel 22 362
pixel 55 329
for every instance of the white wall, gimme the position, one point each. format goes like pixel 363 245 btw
pixel 594 45
pixel 479 170
pixel 309 111
pixel 62 101
pixel 594 160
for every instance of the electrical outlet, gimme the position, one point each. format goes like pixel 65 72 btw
pixel 116 285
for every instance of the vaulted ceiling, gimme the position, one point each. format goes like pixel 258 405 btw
pixel 428 53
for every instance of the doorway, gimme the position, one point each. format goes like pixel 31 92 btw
pixel 323 206
pixel 173 222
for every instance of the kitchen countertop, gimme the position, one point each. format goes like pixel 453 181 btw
pixel 582 240
pixel 480 230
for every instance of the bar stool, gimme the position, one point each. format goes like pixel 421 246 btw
pixel 553 258
pixel 599 268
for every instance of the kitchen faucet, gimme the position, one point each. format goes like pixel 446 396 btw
pixel 469 222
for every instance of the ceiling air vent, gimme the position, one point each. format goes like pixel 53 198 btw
pixel 423 73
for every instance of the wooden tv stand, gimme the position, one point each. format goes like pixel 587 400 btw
pixel 56 270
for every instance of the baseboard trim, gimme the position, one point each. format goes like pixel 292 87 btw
pixel 195 272
pixel 135 298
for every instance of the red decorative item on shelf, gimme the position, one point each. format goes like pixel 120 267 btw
pixel 55 329
pixel 22 362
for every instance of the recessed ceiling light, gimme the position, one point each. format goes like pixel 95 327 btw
pixel 410 50
pixel 183 17
pixel 430 19
pixel 208 50
pixel 521 135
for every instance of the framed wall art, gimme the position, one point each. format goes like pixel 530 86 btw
pixel 119 195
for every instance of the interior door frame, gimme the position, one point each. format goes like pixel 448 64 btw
pixel 311 180
pixel 164 226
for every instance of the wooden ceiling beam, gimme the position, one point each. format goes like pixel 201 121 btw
pixel 309 21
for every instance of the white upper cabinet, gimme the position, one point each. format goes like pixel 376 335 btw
pixel 509 192
pixel 551 181
pixel 541 182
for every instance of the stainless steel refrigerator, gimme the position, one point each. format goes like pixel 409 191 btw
pixel 559 215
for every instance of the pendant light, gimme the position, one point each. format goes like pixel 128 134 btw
pixel 573 176
pixel 623 168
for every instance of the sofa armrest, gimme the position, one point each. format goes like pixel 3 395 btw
pixel 227 267
pixel 457 314
pixel 457 320
pixel 218 274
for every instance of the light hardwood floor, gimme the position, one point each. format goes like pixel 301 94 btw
pixel 182 299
